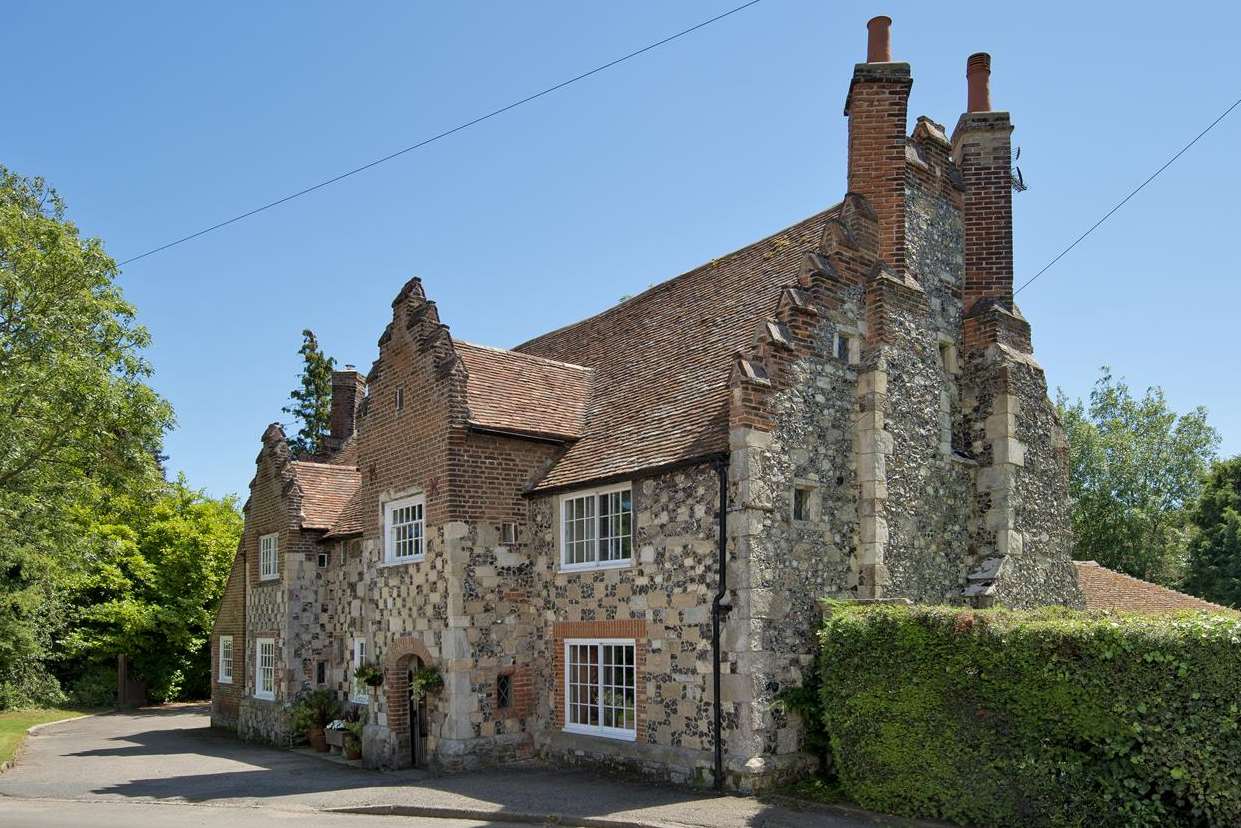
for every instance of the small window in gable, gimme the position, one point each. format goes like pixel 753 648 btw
pixel 325 558
pixel 508 533
pixel 320 673
pixel 269 556
pixel 399 401
pixel 844 348
pixel 948 357
pixel 805 505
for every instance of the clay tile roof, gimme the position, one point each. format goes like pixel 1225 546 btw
pixel 326 490
pixel 661 360
pixel 524 394
pixel 1107 589
pixel 350 520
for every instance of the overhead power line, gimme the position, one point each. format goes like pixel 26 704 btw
pixel 1135 191
pixel 443 134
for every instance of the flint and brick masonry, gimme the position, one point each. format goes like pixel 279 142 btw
pixel 541 525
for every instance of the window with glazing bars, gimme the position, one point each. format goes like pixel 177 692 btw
pixel 596 528
pixel 601 688
pixel 265 668
pixel 404 529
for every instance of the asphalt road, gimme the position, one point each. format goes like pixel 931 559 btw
pixel 43 813
pixel 166 766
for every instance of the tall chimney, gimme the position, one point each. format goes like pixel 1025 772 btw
pixel 982 150
pixel 978 79
pixel 347 388
pixel 879 40
pixel 877 107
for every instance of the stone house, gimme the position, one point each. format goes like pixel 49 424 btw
pixel 611 540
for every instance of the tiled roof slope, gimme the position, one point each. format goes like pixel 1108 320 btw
pixel 662 359
pixel 1111 590
pixel 350 520
pixel 525 394
pixel 326 490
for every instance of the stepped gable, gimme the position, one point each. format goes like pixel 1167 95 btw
pixel 523 394
pixel 662 359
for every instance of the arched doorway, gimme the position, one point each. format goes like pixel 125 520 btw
pixel 416 705
pixel 407 714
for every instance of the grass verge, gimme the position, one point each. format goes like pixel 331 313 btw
pixel 15 723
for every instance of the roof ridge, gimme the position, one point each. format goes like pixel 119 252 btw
pixel 716 261
pixel 521 354
pixel 317 464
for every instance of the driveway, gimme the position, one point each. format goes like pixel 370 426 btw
pixel 170 760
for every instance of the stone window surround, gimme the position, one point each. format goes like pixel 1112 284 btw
pixel 622 734
pixel 259 693
pixel 414 497
pixel 269 552
pixel 814 502
pixel 226 675
pixel 589 566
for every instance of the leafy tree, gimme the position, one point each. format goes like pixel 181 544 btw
pixel 312 399
pixel 153 569
pixel 75 411
pixel 1215 550
pixel 1135 467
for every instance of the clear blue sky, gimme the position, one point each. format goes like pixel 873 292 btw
pixel 155 120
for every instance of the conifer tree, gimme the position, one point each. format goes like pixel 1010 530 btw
pixel 312 400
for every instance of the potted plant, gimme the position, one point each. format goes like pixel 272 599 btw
pixel 426 680
pixel 312 712
pixel 369 674
pixel 353 734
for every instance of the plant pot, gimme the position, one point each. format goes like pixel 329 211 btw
pixel 353 750
pixel 318 739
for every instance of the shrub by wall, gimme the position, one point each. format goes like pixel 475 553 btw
pixel 1035 718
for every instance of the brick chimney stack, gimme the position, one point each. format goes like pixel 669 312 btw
pixel 982 150
pixel 347 391
pixel 877 107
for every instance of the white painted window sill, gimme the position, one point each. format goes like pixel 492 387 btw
pixel 402 562
pixel 603 732
pixel 592 566
pixel 271 697
pixel 223 680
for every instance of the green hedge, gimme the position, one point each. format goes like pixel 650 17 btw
pixel 1035 718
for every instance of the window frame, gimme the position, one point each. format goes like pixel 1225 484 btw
pixel 596 494
pixel 601 730
pixel 504 691
pixel 264 573
pixel 420 541
pixel 358 693
pixel 259 692
pixel 223 677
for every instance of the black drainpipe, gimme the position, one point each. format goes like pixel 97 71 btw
pixel 718 609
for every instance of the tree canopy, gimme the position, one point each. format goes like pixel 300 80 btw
pixel 1215 550
pixel 1136 466
pixel 98 553
pixel 312 398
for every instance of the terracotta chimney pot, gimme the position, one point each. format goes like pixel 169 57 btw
pixel 879 40
pixel 978 78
